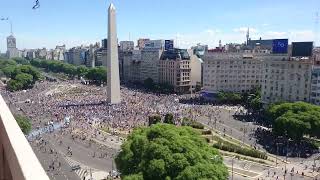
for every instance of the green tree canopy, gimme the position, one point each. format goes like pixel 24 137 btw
pixel 14 85
pixel 154 119
pixel 148 83
pixel 25 79
pixel 24 123
pixel 168 118
pixel 295 119
pixel 164 151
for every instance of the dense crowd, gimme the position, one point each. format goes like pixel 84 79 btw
pixel 86 105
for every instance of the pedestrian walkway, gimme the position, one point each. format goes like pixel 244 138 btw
pixel 82 171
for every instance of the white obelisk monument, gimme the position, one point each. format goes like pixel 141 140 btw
pixel 113 84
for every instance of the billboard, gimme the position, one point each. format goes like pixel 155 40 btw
pixel 168 45
pixel 302 49
pixel 154 44
pixel 280 46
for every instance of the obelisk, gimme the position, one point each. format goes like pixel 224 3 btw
pixel 113 84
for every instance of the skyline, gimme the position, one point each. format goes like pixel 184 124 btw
pixel 76 22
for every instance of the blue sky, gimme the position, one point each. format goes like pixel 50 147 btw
pixel 76 22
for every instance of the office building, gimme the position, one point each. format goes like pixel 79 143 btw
pixel 174 69
pixel 141 43
pixel 286 79
pixel 12 50
pixel 231 72
pixel 126 45
pixel 315 86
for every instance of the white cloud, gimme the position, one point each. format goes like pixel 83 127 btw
pixel 245 29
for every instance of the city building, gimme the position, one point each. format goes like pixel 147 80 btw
pixel 76 55
pixel 174 69
pixel 231 72
pixel 315 86
pixel 12 50
pixel 141 43
pixel 154 44
pixel 131 66
pixel 196 73
pixel 126 45
pixel 104 43
pixel 149 64
pixel 286 79
pixel 41 53
pixel 200 50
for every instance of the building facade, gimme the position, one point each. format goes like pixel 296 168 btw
pixel 315 86
pixel 174 69
pixel 149 64
pixel 231 72
pixel 286 79
pixel 141 43
pixel 126 45
pixel 12 50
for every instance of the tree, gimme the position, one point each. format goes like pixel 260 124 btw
pixel 82 71
pixel 25 79
pixel 97 75
pixel 168 119
pixel 154 120
pixel 24 123
pixel 295 119
pixel 149 83
pixel 22 61
pixel 8 70
pixel 164 151
pixel 14 85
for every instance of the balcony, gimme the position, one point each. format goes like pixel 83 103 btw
pixel 17 160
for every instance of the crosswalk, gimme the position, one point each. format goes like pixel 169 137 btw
pixel 247 166
pixel 83 171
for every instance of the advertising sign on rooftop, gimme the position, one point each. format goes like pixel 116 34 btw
pixel 302 49
pixel 280 46
pixel 168 45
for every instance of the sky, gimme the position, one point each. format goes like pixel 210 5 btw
pixel 188 22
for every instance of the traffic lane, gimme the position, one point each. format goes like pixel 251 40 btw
pixel 82 153
pixel 64 172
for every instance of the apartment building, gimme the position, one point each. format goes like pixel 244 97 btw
pixel 286 79
pixel 174 69
pixel 231 72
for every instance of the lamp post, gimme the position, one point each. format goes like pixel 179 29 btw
pixel 232 168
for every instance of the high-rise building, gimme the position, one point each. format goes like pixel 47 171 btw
pixel 132 66
pixel 150 64
pixel 12 50
pixel 113 82
pixel 141 43
pixel 174 69
pixel 126 45
pixel 286 79
pixel 231 72
pixel 154 44
pixel 104 43
pixel 315 86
